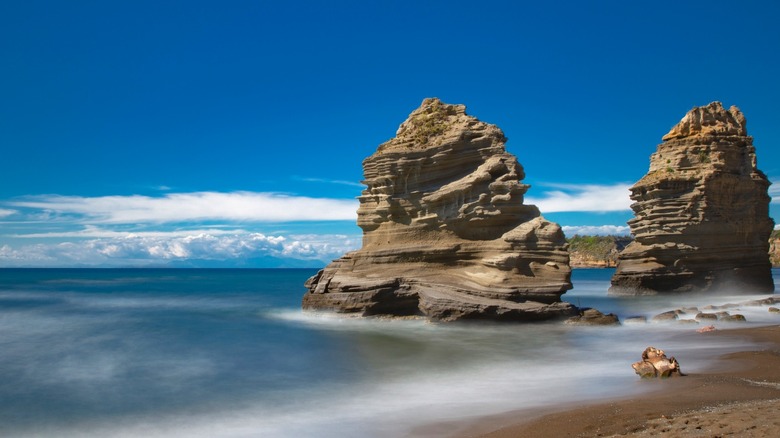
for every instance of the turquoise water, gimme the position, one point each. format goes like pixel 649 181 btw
pixel 224 352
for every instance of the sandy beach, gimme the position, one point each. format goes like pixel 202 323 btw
pixel 738 396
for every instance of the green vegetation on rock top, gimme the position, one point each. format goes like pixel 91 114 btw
pixel 597 244
pixel 596 250
pixel 432 122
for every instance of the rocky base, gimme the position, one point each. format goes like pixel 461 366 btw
pixel 644 280
pixel 438 301
pixel 441 289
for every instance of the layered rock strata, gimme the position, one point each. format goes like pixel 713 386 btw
pixel 701 213
pixel 445 231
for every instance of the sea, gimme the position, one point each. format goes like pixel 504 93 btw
pixel 229 353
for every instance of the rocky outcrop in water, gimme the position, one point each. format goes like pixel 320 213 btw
pixel 701 213
pixel 445 231
pixel 593 317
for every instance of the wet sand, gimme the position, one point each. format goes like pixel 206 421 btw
pixel 738 396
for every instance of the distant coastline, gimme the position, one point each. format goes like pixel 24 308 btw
pixel 595 251
pixel 601 251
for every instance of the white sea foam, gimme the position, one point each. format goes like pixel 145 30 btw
pixel 206 365
pixel 569 365
pixel 394 407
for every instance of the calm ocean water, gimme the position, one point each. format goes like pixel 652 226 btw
pixel 161 352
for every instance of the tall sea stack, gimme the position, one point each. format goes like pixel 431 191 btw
pixel 701 213
pixel 445 231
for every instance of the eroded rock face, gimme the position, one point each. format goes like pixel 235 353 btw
pixel 701 213
pixel 445 231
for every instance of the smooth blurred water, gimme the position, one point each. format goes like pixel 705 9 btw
pixel 223 352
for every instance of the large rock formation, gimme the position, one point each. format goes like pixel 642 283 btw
pixel 445 231
pixel 701 213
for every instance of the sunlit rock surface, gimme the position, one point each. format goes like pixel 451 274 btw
pixel 445 231
pixel 701 213
pixel 654 363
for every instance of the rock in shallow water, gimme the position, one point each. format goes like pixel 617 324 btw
pixel 445 231
pixel 635 320
pixel 672 315
pixel 593 317
pixel 701 213
pixel 706 316
pixel 737 317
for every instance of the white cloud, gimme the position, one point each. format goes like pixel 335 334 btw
pixel 91 231
pixel 597 230
pixel 200 227
pixel 4 212
pixel 585 197
pixel 161 248
pixel 197 206
pixel 774 192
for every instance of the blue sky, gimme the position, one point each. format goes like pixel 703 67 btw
pixel 206 133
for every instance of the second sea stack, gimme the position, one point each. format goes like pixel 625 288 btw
pixel 701 213
pixel 445 231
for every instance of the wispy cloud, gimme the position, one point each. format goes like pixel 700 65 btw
pixel 330 181
pixel 5 212
pixel 774 191
pixel 598 230
pixel 164 248
pixel 92 231
pixel 582 198
pixel 197 206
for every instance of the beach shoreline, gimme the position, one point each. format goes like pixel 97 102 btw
pixel 738 394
